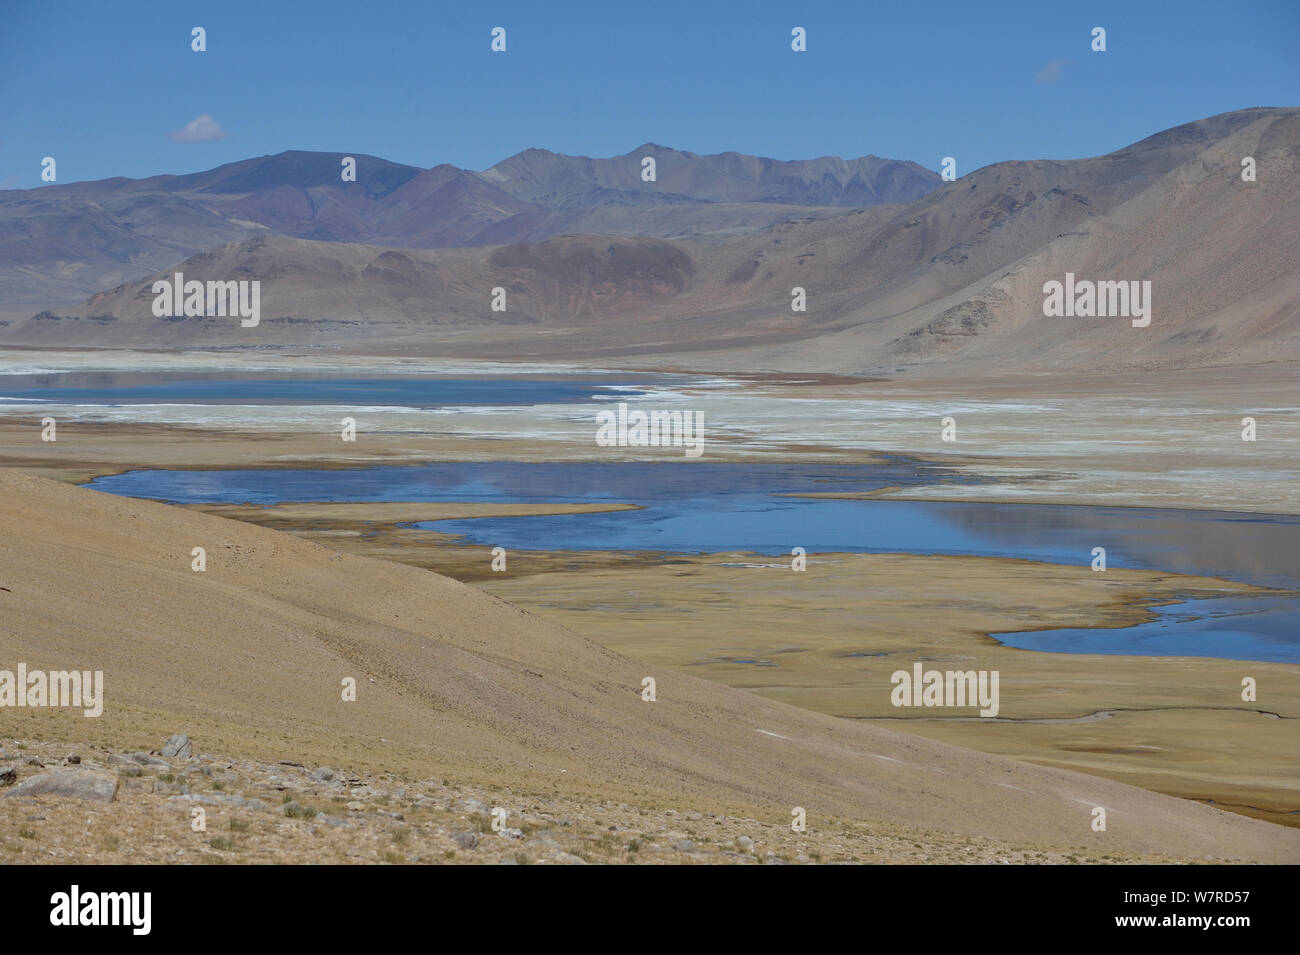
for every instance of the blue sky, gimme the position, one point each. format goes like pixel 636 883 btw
pixel 101 85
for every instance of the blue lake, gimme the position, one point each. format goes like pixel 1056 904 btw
pixel 146 388
pixel 699 507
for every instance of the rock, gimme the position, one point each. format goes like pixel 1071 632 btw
pixel 8 775
pixel 74 760
pixel 335 821
pixel 512 833
pixel 465 839
pixel 208 798
pixel 356 806
pixel 324 775
pixel 683 845
pixel 97 787
pixel 178 747
pixel 161 787
pixel 567 858
pixel 744 844
pixel 472 806
pixel 138 759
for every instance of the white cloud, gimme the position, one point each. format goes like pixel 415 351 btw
pixel 201 129
pixel 1050 73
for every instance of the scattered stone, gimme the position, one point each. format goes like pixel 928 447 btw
pixel 465 839
pixel 178 746
pixel 97 787
pixel 206 798
pixel 138 759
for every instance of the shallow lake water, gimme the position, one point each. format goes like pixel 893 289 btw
pixel 153 388
pixel 702 507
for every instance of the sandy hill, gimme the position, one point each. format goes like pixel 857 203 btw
pixel 953 280
pixel 248 656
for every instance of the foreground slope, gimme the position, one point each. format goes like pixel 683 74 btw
pixel 249 656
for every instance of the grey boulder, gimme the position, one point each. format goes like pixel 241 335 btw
pixel 80 785
pixel 178 746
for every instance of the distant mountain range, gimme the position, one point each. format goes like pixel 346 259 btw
pixel 699 267
pixel 60 243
